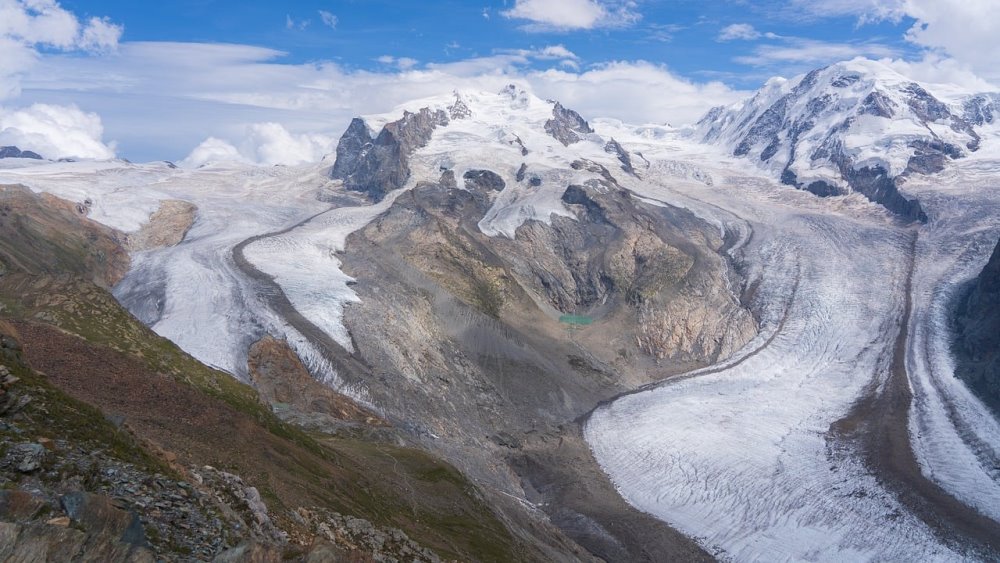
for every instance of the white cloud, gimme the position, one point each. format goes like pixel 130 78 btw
pixel 736 31
pixel 557 52
pixel 402 63
pixel 55 132
pixel 810 52
pixel 26 25
pixel 943 71
pixel 202 90
pixel 328 19
pixel 100 35
pixel 966 30
pixel 212 149
pixel 270 143
pixel 565 15
pixel 962 30
pixel 266 144
pixel 633 91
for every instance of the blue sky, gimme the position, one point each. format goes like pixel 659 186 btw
pixel 277 82
pixel 682 34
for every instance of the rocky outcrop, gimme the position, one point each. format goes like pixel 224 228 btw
pixel 459 109
pixel 566 126
pixel 91 529
pixel 977 334
pixel 615 148
pixel 982 109
pixel 483 180
pixel 380 165
pixel 14 152
pixel 167 226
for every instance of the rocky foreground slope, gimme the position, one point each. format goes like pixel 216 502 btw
pixel 977 340
pixel 117 446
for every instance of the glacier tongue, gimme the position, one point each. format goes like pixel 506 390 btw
pixel 746 456
pixel 740 456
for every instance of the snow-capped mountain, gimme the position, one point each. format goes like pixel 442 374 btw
pixel 852 126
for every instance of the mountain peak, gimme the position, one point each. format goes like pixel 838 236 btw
pixel 854 126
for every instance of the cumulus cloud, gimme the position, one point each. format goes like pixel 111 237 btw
pixel 566 15
pixel 736 31
pixel 955 33
pixel 212 149
pixel 27 25
pixel 633 91
pixel 55 132
pixel 265 144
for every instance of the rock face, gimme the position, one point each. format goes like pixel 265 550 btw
pixel 478 343
pixel 977 338
pixel 624 157
pixel 167 226
pixel 14 152
pixel 566 126
pixel 486 180
pixel 982 109
pixel 380 165
pixel 856 126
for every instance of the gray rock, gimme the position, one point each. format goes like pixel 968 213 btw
pixel 615 148
pixel 566 126
pixel 977 334
pixel 381 165
pixel 14 152
pixel 459 110
pixel 483 180
pixel 31 457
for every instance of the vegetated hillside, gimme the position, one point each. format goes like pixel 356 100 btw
pixel 977 341
pixel 116 445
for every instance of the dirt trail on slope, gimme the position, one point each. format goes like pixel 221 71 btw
pixel 878 425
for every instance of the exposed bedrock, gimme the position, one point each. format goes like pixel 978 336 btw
pixel 566 126
pixel 463 335
pixel 977 334
pixel 377 166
